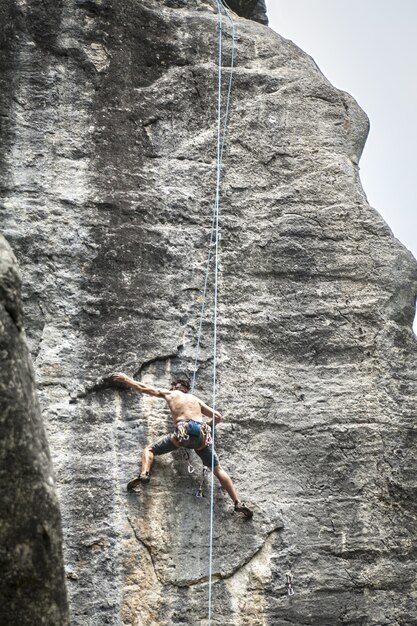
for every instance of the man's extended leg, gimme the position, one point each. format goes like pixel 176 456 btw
pixel 210 460
pixel 226 482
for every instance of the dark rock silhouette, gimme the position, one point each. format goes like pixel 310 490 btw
pixel 251 9
pixel 32 582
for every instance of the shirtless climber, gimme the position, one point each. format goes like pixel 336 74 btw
pixel 191 431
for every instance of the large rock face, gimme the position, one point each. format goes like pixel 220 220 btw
pixel 109 148
pixel 32 583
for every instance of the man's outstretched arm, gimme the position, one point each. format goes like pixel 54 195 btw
pixel 209 412
pixel 139 387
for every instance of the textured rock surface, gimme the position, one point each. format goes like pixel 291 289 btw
pixel 32 583
pixel 108 157
pixel 251 9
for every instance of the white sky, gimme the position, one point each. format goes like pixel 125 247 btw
pixel 369 49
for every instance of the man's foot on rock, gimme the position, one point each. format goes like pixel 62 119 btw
pixel 143 478
pixel 241 507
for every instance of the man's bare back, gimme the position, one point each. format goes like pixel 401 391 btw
pixel 184 406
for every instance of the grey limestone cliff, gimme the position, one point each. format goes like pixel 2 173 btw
pixel 108 157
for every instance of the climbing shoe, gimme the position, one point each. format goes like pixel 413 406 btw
pixel 240 507
pixel 143 478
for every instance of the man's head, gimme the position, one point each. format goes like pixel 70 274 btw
pixel 181 384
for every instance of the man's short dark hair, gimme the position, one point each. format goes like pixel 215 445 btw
pixel 182 381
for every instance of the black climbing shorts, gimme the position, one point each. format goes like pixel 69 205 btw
pixel 165 444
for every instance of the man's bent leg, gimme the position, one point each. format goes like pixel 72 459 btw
pixel 147 460
pixel 163 445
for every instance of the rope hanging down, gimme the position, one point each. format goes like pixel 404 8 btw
pixel 214 239
pixel 221 137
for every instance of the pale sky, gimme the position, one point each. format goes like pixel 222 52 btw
pixel 369 49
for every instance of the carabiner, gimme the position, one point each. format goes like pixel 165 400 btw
pixel 290 578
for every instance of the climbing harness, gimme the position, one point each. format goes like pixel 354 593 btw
pixel 200 431
pixel 214 244
pixel 288 584
pixel 191 428
pixel 185 430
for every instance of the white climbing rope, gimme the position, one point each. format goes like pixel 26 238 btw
pixel 215 311
pixel 215 204
pixel 214 239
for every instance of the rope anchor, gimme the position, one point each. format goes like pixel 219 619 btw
pixel 288 584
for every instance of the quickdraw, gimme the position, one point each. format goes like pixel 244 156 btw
pixel 207 438
pixel 181 433
pixel 200 491
pixel 187 457
pixel 288 584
